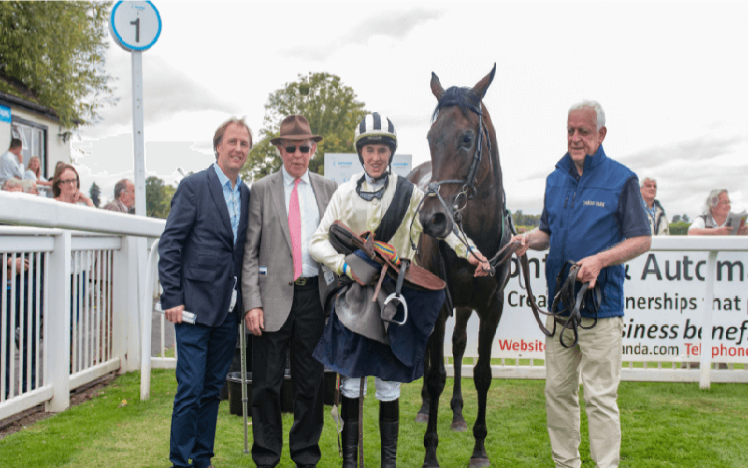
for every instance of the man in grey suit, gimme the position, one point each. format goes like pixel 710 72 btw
pixel 124 197
pixel 283 290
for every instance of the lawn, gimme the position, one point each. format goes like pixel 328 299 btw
pixel 664 425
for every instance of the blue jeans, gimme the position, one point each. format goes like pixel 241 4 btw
pixel 204 357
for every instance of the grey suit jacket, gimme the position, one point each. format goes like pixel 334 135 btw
pixel 268 246
pixel 114 205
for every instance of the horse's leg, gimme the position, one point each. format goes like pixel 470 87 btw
pixel 489 320
pixel 436 379
pixel 423 414
pixel 459 342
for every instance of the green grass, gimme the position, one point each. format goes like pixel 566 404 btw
pixel 664 425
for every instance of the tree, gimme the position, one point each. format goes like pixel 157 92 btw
pixel 158 197
pixel 676 219
pixel 686 219
pixel 57 51
pixel 95 193
pixel 332 111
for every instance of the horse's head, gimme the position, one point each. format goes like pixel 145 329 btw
pixel 460 143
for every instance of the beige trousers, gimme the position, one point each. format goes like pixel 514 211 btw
pixel 597 357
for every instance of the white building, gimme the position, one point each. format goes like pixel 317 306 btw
pixel 37 126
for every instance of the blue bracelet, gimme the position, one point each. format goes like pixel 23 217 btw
pixel 345 268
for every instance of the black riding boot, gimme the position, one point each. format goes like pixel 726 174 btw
pixel 389 417
pixel 349 439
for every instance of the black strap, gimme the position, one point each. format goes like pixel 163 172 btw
pixel 395 214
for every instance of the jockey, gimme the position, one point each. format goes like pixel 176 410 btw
pixel 385 204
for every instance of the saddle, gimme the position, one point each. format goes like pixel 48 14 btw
pixel 345 241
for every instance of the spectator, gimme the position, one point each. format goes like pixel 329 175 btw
pixel 712 221
pixel 18 311
pixel 12 185
pixel 658 222
pixel 11 162
pixel 29 186
pixel 34 172
pixel 66 186
pixel 124 197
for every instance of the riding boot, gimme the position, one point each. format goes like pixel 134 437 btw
pixel 349 438
pixel 389 420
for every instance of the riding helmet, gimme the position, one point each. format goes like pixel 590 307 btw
pixel 374 129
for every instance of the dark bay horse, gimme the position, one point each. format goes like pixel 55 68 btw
pixel 465 191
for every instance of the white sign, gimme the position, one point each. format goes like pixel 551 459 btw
pixel 663 296
pixel 135 25
pixel 340 167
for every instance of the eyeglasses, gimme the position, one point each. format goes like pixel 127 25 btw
pixel 303 149
pixel 68 181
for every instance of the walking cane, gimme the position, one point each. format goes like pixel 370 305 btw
pixel 243 346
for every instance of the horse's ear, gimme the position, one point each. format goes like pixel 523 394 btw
pixel 436 86
pixel 481 87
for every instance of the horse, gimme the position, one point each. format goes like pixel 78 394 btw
pixel 465 191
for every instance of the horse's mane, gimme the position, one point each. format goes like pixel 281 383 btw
pixel 464 98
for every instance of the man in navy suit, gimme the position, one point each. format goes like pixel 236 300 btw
pixel 200 267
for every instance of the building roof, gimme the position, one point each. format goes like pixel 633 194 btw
pixel 15 93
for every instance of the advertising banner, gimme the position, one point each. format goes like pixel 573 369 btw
pixel 664 305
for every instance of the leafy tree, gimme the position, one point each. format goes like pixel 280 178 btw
pixel 676 219
pixel 57 51
pixel 95 193
pixel 158 197
pixel 332 111
pixel 685 218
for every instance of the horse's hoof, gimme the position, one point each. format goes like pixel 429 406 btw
pixel 479 463
pixel 459 426
pixel 422 418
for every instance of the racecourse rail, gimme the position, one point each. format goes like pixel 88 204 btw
pixel 88 313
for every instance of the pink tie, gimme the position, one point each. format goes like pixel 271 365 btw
pixel 294 225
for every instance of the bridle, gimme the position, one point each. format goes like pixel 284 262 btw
pixel 467 191
pixel 571 303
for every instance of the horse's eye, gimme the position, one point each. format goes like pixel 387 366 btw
pixel 467 140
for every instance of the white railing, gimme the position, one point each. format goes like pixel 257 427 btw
pixel 82 291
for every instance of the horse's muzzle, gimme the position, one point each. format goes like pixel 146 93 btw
pixel 435 222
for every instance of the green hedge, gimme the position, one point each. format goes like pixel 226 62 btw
pixel 679 228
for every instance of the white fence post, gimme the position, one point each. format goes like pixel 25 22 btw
pixel 706 326
pixel 57 323
pixel 125 281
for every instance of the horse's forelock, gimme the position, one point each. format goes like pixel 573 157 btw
pixel 464 98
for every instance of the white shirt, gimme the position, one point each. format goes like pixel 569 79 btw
pixel 361 215
pixel 309 217
pixel 10 167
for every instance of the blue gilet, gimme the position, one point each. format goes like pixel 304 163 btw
pixel 582 221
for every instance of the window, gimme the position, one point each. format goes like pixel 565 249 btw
pixel 34 138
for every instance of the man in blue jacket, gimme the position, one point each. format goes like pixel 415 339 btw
pixel 592 215
pixel 200 266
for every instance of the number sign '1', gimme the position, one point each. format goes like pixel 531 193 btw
pixel 135 25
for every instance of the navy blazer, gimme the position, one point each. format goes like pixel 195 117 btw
pixel 198 256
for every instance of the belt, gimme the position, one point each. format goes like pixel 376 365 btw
pixel 306 281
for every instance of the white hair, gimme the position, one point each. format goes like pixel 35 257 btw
pixel 594 105
pixel 649 177
pixel 12 182
pixel 713 199
pixel 29 186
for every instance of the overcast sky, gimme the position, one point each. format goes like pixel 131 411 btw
pixel 670 76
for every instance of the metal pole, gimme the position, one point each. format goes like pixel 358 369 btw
pixel 243 351
pixel 138 144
